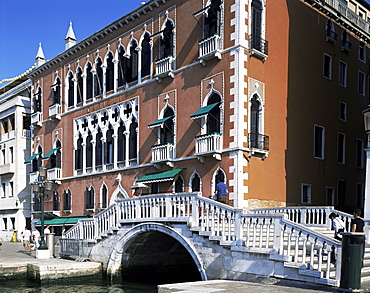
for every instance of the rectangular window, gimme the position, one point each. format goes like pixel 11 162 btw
pixel 341 192
pixel 341 148
pixel 362 52
pixel 359 153
pixel 330 199
pixel 11 155
pixel 360 195
pixel 342 111
pixel 342 73
pixel 319 141
pixel 5 222
pixel 3 189
pixel 305 193
pixel 327 66
pixel 3 156
pixel 361 83
pixel 12 221
pixel 11 188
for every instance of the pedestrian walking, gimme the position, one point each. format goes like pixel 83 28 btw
pixel 221 191
pixel 358 225
pixel 26 238
pixel 36 237
pixel 338 225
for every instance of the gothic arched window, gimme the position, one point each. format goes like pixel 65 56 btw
pixel 145 56
pixel 167 131
pixel 71 90
pixel 110 73
pixel 89 82
pixel 98 81
pixel 213 117
pixel 121 66
pixel 166 42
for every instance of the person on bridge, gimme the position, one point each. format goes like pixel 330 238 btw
pixel 36 238
pixel 338 225
pixel 221 191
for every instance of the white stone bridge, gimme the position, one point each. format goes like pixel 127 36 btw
pixel 187 237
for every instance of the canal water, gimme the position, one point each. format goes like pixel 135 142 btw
pixel 90 286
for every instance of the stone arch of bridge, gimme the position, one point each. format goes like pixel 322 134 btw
pixel 114 264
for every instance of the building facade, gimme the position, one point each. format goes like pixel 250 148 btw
pixel 15 148
pixel 177 95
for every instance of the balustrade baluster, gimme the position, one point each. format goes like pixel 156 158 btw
pixel 312 254
pixel 296 235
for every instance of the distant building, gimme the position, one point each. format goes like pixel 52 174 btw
pixel 264 94
pixel 15 148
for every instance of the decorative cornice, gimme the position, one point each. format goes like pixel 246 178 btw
pixel 114 26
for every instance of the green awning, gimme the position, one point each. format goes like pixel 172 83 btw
pixel 50 152
pixel 159 176
pixel 31 158
pixel 159 122
pixel 203 111
pixel 60 221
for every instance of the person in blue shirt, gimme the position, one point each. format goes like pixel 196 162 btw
pixel 221 191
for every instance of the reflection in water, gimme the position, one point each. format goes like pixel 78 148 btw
pixel 90 286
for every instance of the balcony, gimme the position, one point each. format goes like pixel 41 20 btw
pixel 34 176
pixel 36 119
pixel 54 174
pixel 331 36
pixel 55 111
pixel 7 169
pixel 26 133
pixel 163 153
pixel 258 47
pixel 258 145
pixel 209 48
pixel 346 46
pixel 208 144
pixel 8 135
pixel 164 68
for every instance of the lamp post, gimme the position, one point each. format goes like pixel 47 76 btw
pixel 40 187
pixel 366 114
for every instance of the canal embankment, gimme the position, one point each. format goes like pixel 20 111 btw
pixel 16 263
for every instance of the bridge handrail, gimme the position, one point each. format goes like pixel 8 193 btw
pixel 309 215
pixel 273 232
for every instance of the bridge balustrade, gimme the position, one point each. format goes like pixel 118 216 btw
pixel 282 233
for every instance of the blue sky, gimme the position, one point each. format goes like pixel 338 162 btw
pixel 26 23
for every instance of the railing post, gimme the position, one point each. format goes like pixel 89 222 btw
pixel 194 211
pixel 303 215
pixel 278 234
pixel 238 227
pixel 168 207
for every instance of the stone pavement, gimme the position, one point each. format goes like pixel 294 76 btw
pixel 15 263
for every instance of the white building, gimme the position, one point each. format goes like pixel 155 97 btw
pixel 15 145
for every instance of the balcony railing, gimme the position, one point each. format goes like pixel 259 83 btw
pixel 331 36
pixel 33 176
pixel 36 118
pixel 163 152
pixel 258 141
pixel 7 169
pixel 346 46
pixel 349 14
pixel 258 46
pixel 8 135
pixel 164 67
pixel 210 48
pixel 26 133
pixel 208 143
pixel 55 111
pixel 54 173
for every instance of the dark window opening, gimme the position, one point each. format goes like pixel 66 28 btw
pixel 145 56
pixel 195 183
pixel 133 140
pixel 212 19
pixel 213 117
pixel 98 81
pixel 166 42
pixel 167 131
pixel 121 66
pixel 71 90
pixel 89 82
pixel 110 73
pixel 79 86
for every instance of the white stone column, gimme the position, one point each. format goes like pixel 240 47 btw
pixel 127 136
